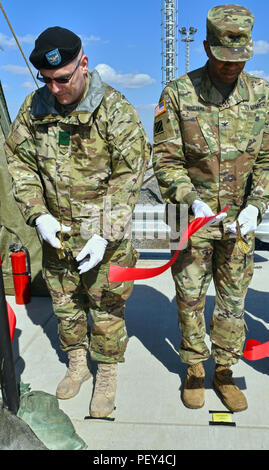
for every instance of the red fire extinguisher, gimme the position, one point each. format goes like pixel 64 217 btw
pixel 21 273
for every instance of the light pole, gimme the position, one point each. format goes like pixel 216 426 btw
pixel 187 38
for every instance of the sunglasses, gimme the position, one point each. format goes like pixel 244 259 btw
pixel 43 79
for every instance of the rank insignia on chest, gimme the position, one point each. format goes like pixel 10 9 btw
pixel 64 138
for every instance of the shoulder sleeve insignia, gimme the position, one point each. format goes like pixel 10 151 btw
pixel 161 108
pixel 158 127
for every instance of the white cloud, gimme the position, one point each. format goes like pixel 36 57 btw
pixel 259 73
pixel 126 80
pixel 261 47
pixel 9 41
pixel 27 39
pixel 6 87
pixel 146 107
pixel 29 85
pixel 6 41
pixel 15 69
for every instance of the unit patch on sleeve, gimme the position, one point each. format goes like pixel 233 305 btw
pixel 158 127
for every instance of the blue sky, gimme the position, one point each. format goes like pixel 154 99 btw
pixel 121 38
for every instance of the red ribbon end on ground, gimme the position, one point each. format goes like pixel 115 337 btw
pixel 254 350
pixel 11 321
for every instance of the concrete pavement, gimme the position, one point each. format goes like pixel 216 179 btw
pixel 149 412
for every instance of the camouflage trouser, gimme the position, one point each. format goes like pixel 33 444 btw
pixel 231 271
pixel 73 296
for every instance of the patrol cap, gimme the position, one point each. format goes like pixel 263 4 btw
pixel 229 33
pixel 54 48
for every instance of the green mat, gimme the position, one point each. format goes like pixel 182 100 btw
pixel 41 412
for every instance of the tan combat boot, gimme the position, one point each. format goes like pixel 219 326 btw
pixel 230 394
pixel 103 400
pixel 76 374
pixel 194 392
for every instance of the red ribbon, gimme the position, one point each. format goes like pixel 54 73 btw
pixel 119 273
pixel 254 350
pixel 11 321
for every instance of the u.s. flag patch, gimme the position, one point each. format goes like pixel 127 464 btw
pixel 161 108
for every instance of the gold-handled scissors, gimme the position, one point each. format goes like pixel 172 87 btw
pixel 61 250
pixel 243 245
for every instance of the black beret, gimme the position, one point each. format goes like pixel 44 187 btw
pixel 54 48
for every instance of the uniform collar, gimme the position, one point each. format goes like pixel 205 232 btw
pixel 43 103
pixel 211 95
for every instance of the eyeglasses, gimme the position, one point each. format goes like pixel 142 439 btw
pixel 43 79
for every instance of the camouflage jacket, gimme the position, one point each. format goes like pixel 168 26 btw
pixel 74 166
pixel 213 151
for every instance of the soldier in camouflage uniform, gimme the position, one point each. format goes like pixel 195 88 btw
pixel 211 148
pixel 77 153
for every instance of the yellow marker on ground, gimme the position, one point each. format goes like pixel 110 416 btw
pixel 222 417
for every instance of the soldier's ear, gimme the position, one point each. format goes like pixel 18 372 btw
pixel 207 49
pixel 84 63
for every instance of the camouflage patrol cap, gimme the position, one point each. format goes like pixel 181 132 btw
pixel 229 33
pixel 54 48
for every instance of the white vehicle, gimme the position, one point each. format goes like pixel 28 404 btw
pixel 262 231
pixel 149 222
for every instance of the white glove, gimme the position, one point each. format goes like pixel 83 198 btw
pixel 48 226
pixel 201 209
pixel 247 219
pixel 95 248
